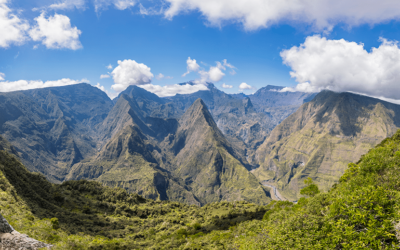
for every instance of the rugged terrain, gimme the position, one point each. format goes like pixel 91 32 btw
pixel 194 148
pixel 321 138
pixel 360 212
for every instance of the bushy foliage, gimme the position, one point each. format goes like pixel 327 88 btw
pixel 359 212
pixel 88 215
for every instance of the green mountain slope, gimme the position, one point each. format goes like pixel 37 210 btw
pixel 207 162
pixel 189 162
pixel 126 162
pixel 321 138
pixel 359 212
pixel 53 128
pixel 88 215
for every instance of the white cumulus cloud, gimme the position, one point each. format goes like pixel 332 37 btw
pixel 12 28
pixel 226 86
pixel 340 65
pixel 2 76
pixel 56 32
pixel 104 76
pixel 322 14
pixel 192 66
pixel 244 86
pixel 214 74
pixel 171 90
pixel 129 72
pixel 109 66
pixel 7 86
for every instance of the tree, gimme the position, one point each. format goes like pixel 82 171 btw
pixel 311 189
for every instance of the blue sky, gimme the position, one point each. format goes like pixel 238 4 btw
pixel 66 41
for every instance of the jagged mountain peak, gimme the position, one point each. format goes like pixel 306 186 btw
pixel 198 110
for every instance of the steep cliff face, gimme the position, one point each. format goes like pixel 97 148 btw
pixel 207 162
pixel 321 138
pixel 127 161
pixel 189 161
pixel 53 128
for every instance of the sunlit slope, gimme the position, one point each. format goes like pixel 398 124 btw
pixel 89 215
pixel 322 137
pixel 53 128
pixel 126 162
pixel 207 162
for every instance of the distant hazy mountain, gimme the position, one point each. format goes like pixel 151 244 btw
pixel 322 137
pixel 53 128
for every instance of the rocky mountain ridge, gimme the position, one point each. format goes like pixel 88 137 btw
pixel 321 138
pixel 195 148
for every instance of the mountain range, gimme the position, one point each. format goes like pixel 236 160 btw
pixel 195 148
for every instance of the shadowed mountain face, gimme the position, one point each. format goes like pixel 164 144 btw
pixel 243 123
pixel 53 128
pixel 207 162
pixel 321 138
pixel 188 160
pixel 178 148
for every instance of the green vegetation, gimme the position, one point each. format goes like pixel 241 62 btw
pixel 321 138
pixel 87 215
pixel 311 189
pixel 359 212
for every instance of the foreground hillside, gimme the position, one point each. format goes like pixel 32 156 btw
pixel 88 215
pixel 360 212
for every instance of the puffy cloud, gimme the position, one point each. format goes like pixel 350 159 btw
pixel 104 76
pixel 68 5
pixel 6 86
pixel 322 14
pixel 119 4
pixel 129 72
pixel 340 65
pixel 244 86
pixel 171 90
pixel 56 32
pixel 214 74
pixel 226 86
pixel 161 76
pixel 109 66
pixel 2 76
pixel 192 66
pixel 12 28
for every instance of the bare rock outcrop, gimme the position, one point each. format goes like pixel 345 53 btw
pixel 11 239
